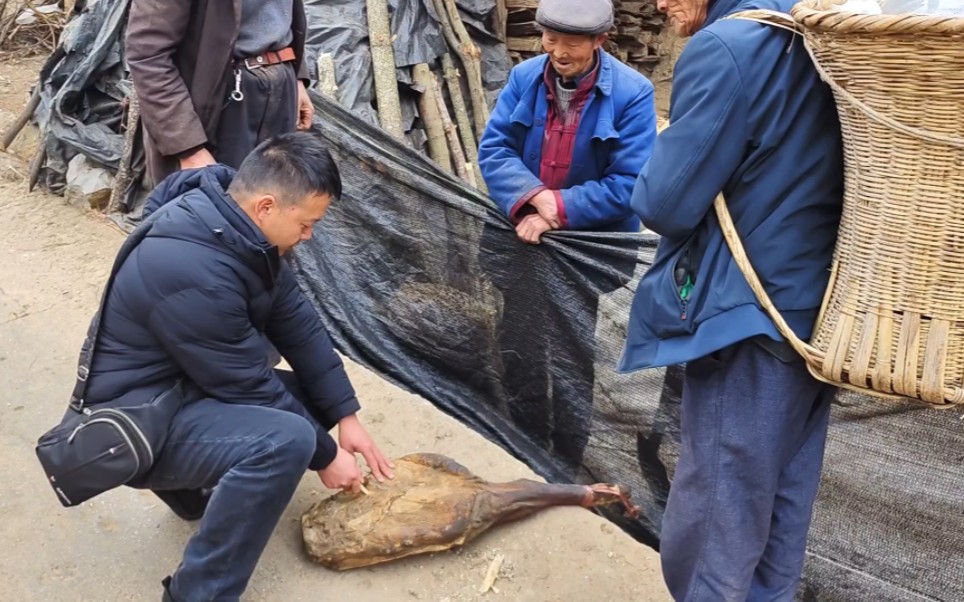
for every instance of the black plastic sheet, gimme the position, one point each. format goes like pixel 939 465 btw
pixel 422 280
pixel 82 93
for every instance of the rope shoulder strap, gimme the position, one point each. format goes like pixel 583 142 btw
pixel 786 22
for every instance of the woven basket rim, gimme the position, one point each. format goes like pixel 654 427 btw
pixel 819 16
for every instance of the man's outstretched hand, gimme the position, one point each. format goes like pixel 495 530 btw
pixel 353 438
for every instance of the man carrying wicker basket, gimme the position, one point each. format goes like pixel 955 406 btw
pixel 750 119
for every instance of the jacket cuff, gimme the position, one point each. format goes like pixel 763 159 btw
pixel 187 153
pixel 517 212
pixel 325 452
pixel 561 210
pixel 176 141
pixel 346 408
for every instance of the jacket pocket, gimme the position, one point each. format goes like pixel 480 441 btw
pixel 684 276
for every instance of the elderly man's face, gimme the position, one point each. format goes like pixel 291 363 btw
pixel 684 16
pixel 571 55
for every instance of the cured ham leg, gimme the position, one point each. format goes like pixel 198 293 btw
pixel 434 504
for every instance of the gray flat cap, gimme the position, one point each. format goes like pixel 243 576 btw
pixel 580 17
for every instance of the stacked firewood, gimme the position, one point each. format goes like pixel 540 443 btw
pixel 452 135
pixel 634 39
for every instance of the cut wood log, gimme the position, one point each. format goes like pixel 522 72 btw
pixel 123 178
pixel 451 135
pixel 428 105
pixel 37 163
pixel 500 19
pixel 454 84
pixel 433 504
pixel 383 67
pixel 525 44
pixel 521 4
pixel 17 126
pixel 461 42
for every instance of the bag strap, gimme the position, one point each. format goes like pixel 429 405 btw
pixel 743 262
pixel 90 342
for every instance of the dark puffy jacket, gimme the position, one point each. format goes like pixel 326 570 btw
pixel 198 298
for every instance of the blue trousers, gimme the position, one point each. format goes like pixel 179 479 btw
pixel 256 456
pixel 753 430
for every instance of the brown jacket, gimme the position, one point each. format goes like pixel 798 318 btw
pixel 180 54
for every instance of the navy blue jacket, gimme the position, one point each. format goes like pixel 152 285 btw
pixel 199 298
pixel 751 118
pixel 615 137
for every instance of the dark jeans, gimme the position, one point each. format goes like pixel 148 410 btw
pixel 256 456
pixel 740 504
pixel 269 108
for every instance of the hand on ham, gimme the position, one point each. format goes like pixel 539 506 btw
pixel 531 229
pixel 353 438
pixel 343 473
pixel 545 204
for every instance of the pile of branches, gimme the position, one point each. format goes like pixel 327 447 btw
pixel 452 125
pixel 32 26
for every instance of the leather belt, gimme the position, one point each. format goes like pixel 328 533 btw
pixel 271 57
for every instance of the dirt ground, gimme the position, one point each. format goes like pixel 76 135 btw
pixel 121 544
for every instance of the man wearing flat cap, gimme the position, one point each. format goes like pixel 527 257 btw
pixel 566 140
pixel 571 130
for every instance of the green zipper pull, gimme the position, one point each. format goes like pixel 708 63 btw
pixel 686 289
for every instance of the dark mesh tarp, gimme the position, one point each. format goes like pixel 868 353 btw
pixel 422 280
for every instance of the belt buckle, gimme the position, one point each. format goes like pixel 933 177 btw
pixel 259 60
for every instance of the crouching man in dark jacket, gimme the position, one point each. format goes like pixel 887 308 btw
pixel 751 118
pixel 196 301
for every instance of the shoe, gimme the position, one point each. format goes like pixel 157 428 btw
pixel 188 504
pixel 167 591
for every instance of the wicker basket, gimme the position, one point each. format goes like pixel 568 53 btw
pixel 892 321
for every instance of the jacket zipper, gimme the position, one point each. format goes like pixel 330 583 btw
pixel 683 277
pixel 113 423
pixel 145 444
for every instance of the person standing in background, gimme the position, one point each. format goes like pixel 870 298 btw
pixel 216 78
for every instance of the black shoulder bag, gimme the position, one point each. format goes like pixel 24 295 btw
pixel 96 449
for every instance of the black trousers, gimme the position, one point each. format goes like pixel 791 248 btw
pixel 269 108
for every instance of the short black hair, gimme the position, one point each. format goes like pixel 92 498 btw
pixel 291 167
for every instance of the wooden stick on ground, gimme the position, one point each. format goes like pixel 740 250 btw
pixel 11 134
pixel 431 118
pixel 383 67
pixel 37 163
pixel 123 178
pixel 454 84
pixel 458 38
pixel 458 157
